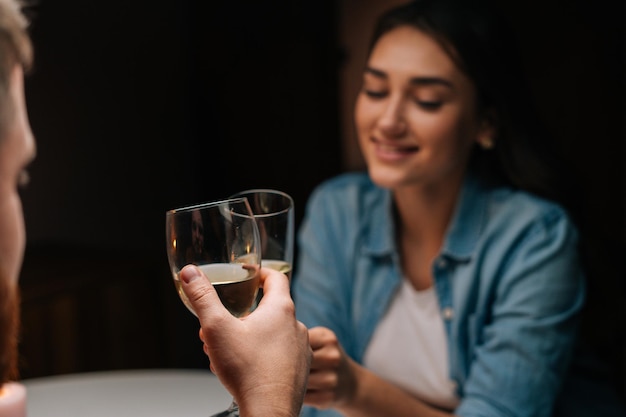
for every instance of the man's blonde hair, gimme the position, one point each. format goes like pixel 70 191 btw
pixel 15 48
pixel 15 44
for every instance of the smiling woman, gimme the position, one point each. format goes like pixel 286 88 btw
pixel 418 111
pixel 450 271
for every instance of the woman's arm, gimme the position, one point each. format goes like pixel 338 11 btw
pixel 336 381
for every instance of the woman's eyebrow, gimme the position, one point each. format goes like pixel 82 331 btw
pixel 415 80
pixel 431 81
pixel 375 72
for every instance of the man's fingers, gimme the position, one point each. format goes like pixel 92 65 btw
pixel 275 286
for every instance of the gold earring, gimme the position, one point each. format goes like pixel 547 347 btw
pixel 486 143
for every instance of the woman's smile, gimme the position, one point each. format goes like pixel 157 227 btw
pixel 393 152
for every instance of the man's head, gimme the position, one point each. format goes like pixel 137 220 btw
pixel 17 149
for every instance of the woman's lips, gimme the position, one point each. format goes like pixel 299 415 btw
pixel 393 152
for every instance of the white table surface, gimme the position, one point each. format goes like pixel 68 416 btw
pixel 127 393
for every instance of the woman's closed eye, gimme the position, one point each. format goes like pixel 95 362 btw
pixel 375 94
pixel 425 104
pixel 429 105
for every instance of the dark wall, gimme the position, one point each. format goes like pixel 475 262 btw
pixel 143 106
pixel 150 105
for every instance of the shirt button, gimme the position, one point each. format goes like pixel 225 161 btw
pixel 447 313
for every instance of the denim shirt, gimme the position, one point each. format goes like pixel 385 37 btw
pixel 508 280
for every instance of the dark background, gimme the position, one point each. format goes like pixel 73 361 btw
pixel 143 106
pixel 146 105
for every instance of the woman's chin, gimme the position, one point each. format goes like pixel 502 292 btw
pixel 386 178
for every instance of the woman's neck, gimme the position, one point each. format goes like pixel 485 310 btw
pixel 423 216
pixel 424 212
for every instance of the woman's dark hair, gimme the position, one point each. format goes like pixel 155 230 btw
pixel 477 37
pixel 479 41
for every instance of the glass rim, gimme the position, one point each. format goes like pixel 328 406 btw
pixel 267 191
pixel 209 204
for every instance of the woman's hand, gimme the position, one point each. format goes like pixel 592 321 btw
pixel 336 381
pixel 333 377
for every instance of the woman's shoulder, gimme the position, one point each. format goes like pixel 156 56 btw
pixel 522 210
pixel 523 204
pixel 349 186
pixel 348 197
pixel 356 180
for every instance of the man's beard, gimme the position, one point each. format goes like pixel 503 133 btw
pixel 9 329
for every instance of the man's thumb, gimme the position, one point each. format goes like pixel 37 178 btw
pixel 198 290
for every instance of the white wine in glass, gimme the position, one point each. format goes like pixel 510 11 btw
pixel 236 284
pixel 223 240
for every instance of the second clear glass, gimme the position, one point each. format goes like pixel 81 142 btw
pixel 274 213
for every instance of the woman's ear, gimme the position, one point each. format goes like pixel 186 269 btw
pixel 487 132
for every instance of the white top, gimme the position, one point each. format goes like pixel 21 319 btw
pixel 127 393
pixel 409 347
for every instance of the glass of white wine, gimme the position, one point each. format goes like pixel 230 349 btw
pixel 223 240
pixel 274 214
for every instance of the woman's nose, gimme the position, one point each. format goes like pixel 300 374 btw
pixel 392 121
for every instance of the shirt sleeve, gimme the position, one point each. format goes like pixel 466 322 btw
pixel 320 288
pixel 321 285
pixel 525 339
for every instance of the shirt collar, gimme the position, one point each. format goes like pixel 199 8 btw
pixel 463 233
pixel 380 240
pixel 468 220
